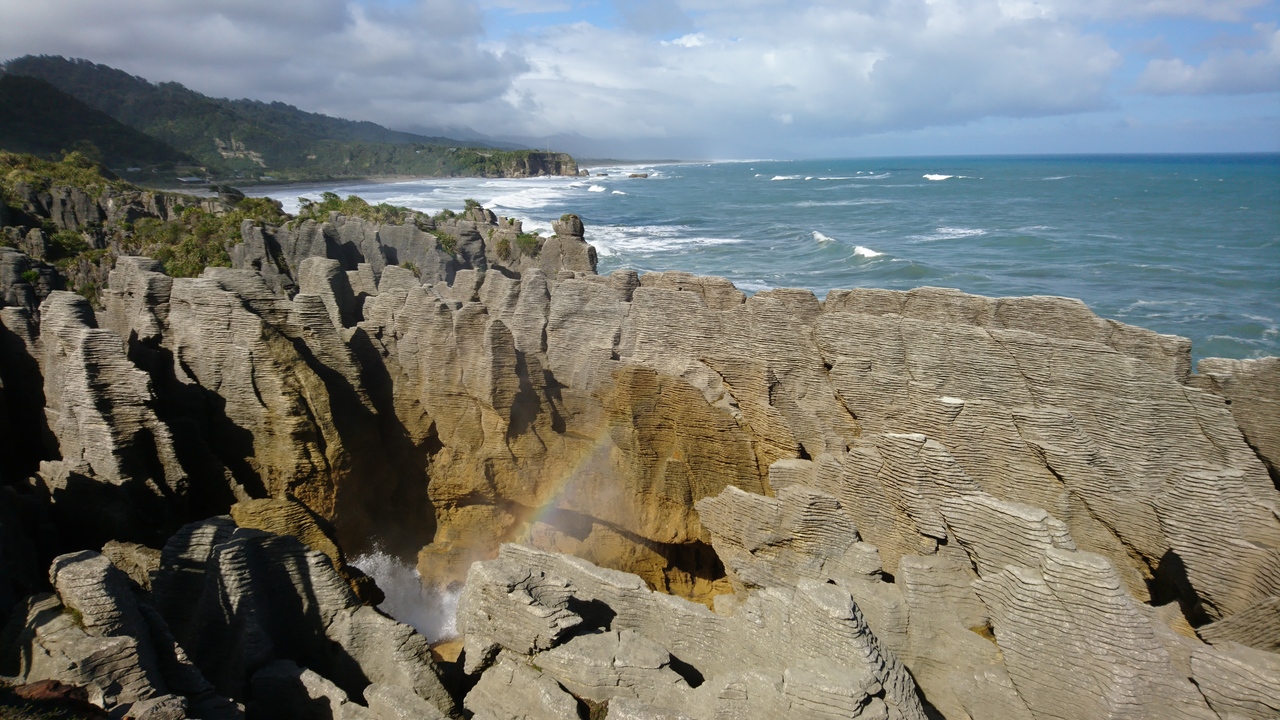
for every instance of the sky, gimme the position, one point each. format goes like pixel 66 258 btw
pixel 711 79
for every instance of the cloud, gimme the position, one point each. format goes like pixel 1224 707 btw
pixel 528 7
pixel 1233 72
pixel 392 62
pixel 1218 10
pixel 653 16
pixel 711 77
pixel 835 69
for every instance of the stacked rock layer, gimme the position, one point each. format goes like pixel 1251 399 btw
pixel 883 504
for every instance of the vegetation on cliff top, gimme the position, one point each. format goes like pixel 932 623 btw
pixel 200 236
pixel 74 170
pixel 353 206
pixel 249 139
pixel 185 245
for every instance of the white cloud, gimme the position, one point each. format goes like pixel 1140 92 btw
pixel 837 69
pixel 692 40
pixel 528 7
pixel 1219 10
pixel 1232 72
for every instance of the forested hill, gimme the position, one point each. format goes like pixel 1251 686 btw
pixel 36 117
pixel 249 139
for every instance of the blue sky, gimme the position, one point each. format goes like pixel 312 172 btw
pixel 720 78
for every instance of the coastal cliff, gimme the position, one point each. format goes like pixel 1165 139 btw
pixel 656 496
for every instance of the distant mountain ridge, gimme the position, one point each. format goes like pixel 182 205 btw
pixel 250 138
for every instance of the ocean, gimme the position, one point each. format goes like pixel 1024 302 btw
pixel 1181 244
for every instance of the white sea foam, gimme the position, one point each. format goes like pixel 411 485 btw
pixel 618 192
pixel 865 252
pixel 809 178
pixel 1058 177
pixel 1272 329
pixel 821 238
pixel 932 176
pixel 841 203
pixel 785 177
pixel 949 233
pixel 597 188
pixel 431 611
pixel 529 198
pixel 621 239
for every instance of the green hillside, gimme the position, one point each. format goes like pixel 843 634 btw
pixel 38 118
pixel 249 139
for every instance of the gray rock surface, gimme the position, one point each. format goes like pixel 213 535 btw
pixel 1257 626
pixel 1239 682
pixel 1252 389
pixel 434 249
pixel 513 690
pixel 788 651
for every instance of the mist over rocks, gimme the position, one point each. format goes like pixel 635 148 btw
pixel 656 496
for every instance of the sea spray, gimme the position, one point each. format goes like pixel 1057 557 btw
pixel 431 611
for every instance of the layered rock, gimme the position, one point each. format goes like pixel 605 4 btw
pixel 558 623
pixel 78 208
pixel 96 633
pixel 222 613
pixel 523 399
pixel 1252 389
pixel 948 484
pixel 435 249
pixel 239 600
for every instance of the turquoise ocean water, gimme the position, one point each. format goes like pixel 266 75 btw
pixel 1188 245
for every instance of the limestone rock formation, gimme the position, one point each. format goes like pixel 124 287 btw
pixel 435 249
pixel 536 163
pixel 18 287
pixel 96 633
pixel 1252 389
pixel 871 504
pixel 247 606
pixel 239 599
pixel 74 208
pixel 554 622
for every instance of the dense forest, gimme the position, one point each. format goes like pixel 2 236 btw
pixel 36 117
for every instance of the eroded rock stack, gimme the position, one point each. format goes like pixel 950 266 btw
pixel 877 505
